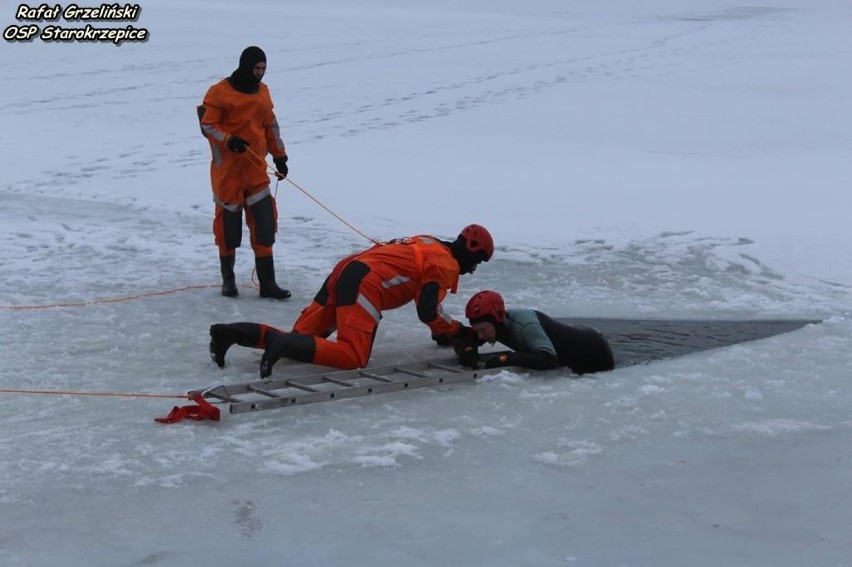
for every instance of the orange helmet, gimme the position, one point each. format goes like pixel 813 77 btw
pixel 478 239
pixel 484 305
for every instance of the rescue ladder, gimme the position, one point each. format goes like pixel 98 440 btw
pixel 314 388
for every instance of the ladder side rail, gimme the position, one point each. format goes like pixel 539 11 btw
pixel 353 392
pixel 349 380
pixel 357 391
pixel 373 373
pixel 278 383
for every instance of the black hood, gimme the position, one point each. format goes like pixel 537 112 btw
pixel 467 260
pixel 243 78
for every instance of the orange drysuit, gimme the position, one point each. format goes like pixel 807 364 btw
pixel 239 179
pixel 363 285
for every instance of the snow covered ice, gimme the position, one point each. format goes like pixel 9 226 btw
pixel 657 160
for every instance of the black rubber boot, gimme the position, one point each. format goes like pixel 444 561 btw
pixel 223 336
pixel 229 281
pixel 266 276
pixel 286 345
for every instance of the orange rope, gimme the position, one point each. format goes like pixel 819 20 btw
pixel 77 393
pixel 256 160
pixel 332 213
pixel 107 300
pixel 267 169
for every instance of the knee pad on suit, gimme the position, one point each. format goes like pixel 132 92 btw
pixel 228 228
pixel 349 283
pixel 265 221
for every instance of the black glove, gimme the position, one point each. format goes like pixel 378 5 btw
pixel 467 334
pixel 237 144
pixel 504 359
pixel 468 354
pixel 460 344
pixel 463 333
pixel 443 339
pixel 281 166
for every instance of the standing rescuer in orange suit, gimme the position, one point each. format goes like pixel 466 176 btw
pixel 237 115
pixel 351 300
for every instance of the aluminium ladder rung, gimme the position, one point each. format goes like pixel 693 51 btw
pixel 410 372
pixel 300 386
pixel 217 393
pixel 338 382
pixel 376 377
pixel 444 367
pixel 263 392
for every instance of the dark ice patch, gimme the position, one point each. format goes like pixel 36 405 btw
pixel 636 341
